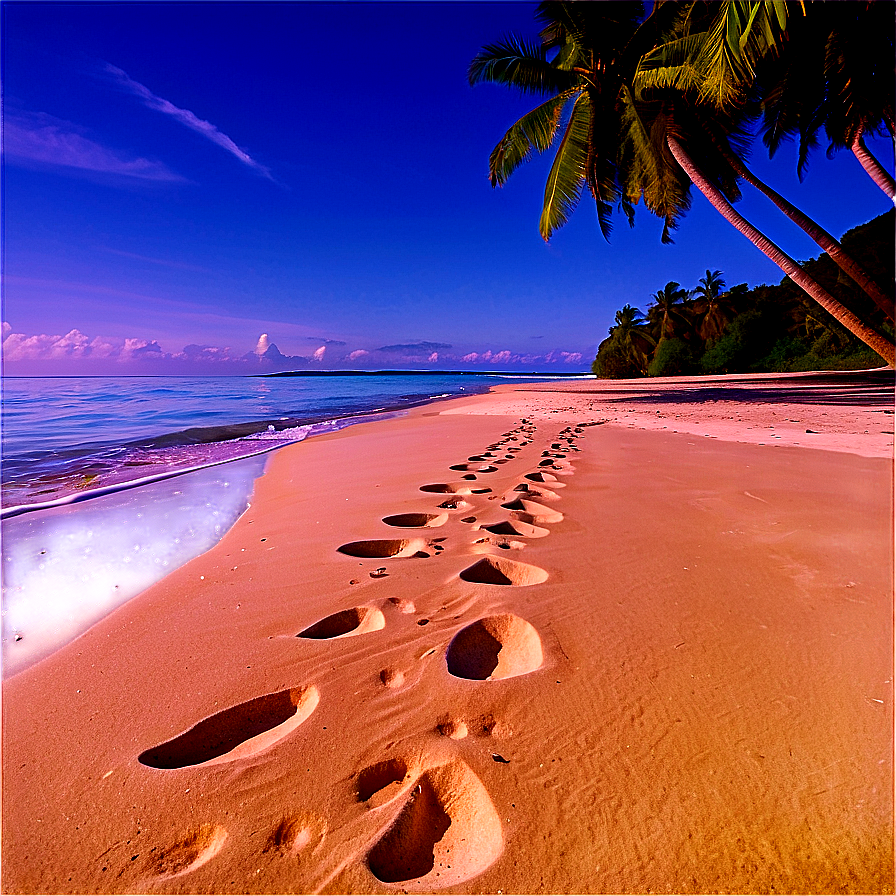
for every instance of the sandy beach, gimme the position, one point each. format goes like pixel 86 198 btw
pixel 568 637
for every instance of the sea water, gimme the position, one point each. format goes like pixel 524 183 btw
pixel 111 483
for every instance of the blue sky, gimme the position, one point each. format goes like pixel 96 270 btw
pixel 180 179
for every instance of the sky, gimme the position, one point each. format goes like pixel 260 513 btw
pixel 232 188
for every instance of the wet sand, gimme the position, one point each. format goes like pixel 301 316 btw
pixel 536 641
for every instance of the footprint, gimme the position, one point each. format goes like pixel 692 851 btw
pixel 533 512
pixel 237 732
pixel 295 833
pixel 473 468
pixel 192 851
pixel 416 520
pixel 403 605
pixel 545 478
pixel 517 527
pixel 383 547
pixel 494 648
pixel 453 488
pixel 447 832
pixel 356 621
pixel 381 783
pixel 534 491
pixel 498 571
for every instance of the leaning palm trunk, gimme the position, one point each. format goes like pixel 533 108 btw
pixel 874 340
pixel 835 251
pixel 875 170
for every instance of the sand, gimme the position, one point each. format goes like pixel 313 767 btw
pixel 582 653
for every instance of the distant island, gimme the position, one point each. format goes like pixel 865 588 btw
pixel 523 374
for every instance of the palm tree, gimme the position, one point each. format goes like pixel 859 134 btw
pixel 633 337
pixel 721 63
pixel 580 109
pixel 666 311
pixel 838 311
pixel 618 143
pixel 713 305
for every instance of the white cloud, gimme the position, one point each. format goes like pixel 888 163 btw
pixel 360 353
pixel 319 354
pixel 186 118
pixel 49 141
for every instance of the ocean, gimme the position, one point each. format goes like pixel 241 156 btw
pixel 108 484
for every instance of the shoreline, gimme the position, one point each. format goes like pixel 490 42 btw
pixel 692 689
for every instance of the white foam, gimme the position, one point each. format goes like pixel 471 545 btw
pixel 65 568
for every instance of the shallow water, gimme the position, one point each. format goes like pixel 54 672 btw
pixel 87 445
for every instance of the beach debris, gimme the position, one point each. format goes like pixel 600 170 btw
pixel 499 758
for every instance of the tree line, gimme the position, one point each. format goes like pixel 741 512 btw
pixel 714 328
pixel 640 108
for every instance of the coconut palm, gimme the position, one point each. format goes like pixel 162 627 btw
pixel 579 110
pixel 632 334
pixel 835 72
pixel 721 63
pixel 667 312
pixel 621 142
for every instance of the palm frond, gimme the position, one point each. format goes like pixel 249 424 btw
pixel 520 64
pixel 647 168
pixel 535 130
pixel 567 175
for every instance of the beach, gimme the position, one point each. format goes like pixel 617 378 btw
pixel 565 637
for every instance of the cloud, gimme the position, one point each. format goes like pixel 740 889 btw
pixel 74 352
pixel 49 141
pixel 186 118
pixel 559 357
pixel 415 348
pixel 324 341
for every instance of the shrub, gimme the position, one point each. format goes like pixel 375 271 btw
pixel 673 357
pixel 613 363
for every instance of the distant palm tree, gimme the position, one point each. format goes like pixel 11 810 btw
pixel 667 313
pixel 713 305
pixel 632 335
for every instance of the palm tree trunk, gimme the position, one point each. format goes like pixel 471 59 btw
pixel 874 340
pixel 875 170
pixel 835 251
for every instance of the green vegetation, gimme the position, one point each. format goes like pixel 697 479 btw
pixel 712 329
pixel 641 108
